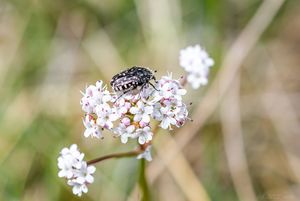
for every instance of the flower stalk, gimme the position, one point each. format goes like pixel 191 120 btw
pixel 143 182
pixel 116 155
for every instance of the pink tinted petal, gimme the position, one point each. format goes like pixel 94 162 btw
pixel 125 121
pixel 143 124
pixel 109 125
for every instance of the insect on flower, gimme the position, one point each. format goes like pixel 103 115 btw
pixel 136 77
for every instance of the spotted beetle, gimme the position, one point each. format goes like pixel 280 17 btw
pixel 132 79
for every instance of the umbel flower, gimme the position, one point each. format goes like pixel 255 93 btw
pixel 128 116
pixel 75 169
pixel 196 62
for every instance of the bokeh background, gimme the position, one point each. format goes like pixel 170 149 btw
pixel 244 141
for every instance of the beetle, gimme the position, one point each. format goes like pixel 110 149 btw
pixel 136 77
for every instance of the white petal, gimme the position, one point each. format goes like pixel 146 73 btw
pixel 124 139
pixel 81 156
pixel 73 147
pixel 106 98
pixel 91 169
pixel 113 117
pixel 80 180
pixel 149 137
pixel 165 123
pixel 140 104
pixel 181 92
pixel 89 179
pixel 134 110
pixel 64 151
pixel 69 174
pixel 130 128
pixel 148 109
pixel 142 140
pixel 209 62
pixel 76 190
pixel 61 173
pixel 84 188
pixel 87 132
pixel 195 85
pixel 137 117
pixel 145 118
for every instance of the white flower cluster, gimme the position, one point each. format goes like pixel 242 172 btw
pixel 75 169
pixel 196 63
pixel 128 116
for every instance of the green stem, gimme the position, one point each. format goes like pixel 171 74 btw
pixel 143 182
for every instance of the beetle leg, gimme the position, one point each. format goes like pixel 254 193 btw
pixel 153 86
pixel 125 92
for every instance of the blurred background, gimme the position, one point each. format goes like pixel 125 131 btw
pixel 244 141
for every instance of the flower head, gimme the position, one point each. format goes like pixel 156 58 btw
pixel 75 169
pixel 106 115
pixel 129 115
pixel 144 135
pixel 170 88
pixel 93 96
pixel 125 132
pixel 169 109
pixel 141 112
pixel 196 62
